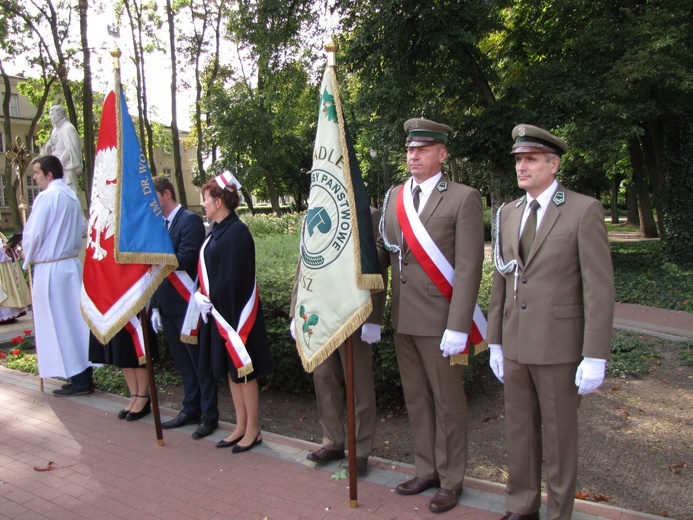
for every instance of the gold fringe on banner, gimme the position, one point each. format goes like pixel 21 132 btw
pixel 463 359
pixel 350 326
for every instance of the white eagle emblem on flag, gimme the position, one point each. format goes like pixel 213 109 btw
pixel 103 202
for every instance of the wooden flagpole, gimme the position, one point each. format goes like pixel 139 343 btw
pixel 331 49
pixel 144 318
pixel 115 53
pixel 351 423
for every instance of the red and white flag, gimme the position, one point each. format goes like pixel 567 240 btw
pixel 129 251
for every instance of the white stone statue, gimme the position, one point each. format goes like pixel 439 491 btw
pixel 66 145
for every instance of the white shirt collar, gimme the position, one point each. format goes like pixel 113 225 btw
pixel 428 185
pixel 544 197
pixel 172 215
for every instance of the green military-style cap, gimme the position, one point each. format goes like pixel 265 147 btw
pixel 423 132
pixel 532 139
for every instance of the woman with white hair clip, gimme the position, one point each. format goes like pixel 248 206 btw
pixel 233 338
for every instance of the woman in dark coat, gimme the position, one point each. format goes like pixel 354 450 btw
pixel 234 338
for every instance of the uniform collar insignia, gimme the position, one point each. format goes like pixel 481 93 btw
pixel 519 202
pixel 442 186
pixel 559 198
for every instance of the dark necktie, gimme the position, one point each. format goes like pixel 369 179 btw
pixel 529 231
pixel 417 195
pixel 167 223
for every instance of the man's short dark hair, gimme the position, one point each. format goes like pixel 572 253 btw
pixel 50 163
pixel 162 184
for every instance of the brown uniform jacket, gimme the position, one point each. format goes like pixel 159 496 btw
pixel 564 304
pixel 453 218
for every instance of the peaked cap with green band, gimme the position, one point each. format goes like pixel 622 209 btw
pixel 532 139
pixel 423 132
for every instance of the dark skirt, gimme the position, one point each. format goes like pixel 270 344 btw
pixel 120 351
pixel 215 360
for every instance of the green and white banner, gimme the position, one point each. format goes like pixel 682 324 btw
pixel 339 264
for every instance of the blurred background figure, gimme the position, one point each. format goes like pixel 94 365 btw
pixel 14 291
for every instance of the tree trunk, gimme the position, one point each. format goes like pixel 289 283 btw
pixel 677 190
pixel 88 104
pixel 248 200
pixel 615 183
pixel 137 58
pixel 652 143
pixel 10 187
pixel 648 228
pixel 178 169
pixel 633 217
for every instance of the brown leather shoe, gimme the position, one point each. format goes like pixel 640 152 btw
pixel 325 455
pixel 444 500
pixel 517 516
pixel 417 485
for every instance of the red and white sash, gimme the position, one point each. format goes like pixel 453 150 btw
pixel 233 340
pixel 431 259
pixel 134 328
pixel 182 283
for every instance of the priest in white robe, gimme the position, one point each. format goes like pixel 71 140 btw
pixel 52 241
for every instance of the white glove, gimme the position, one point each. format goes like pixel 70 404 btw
pixel 203 304
pixel 156 321
pixel 590 375
pixel 370 333
pixel 453 342
pixel 496 361
pixel 291 328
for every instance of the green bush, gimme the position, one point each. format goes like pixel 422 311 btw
pixel 631 354
pixel 644 277
pixel 263 225
pixel 23 362
pixel 276 259
pixel 110 379
pixel 686 353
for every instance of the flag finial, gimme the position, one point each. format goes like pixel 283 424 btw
pixel 115 53
pixel 331 49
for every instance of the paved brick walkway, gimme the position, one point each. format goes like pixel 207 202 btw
pixel 109 469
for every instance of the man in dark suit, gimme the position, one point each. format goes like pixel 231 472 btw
pixel 168 311
pixel 550 322
pixel 431 221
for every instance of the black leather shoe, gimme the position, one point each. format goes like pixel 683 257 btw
pixel 204 429
pixel 240 449
pixel 70 390
pixel 444 500
pixel 517 516
pixel 417 485
pixel 223 443
pixel 133 416
pixel 325 455
pixel 123 414
pixel 181 420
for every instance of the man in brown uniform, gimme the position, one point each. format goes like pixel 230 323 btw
pixel 550 322
pixel 329 379
pixel 443 221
